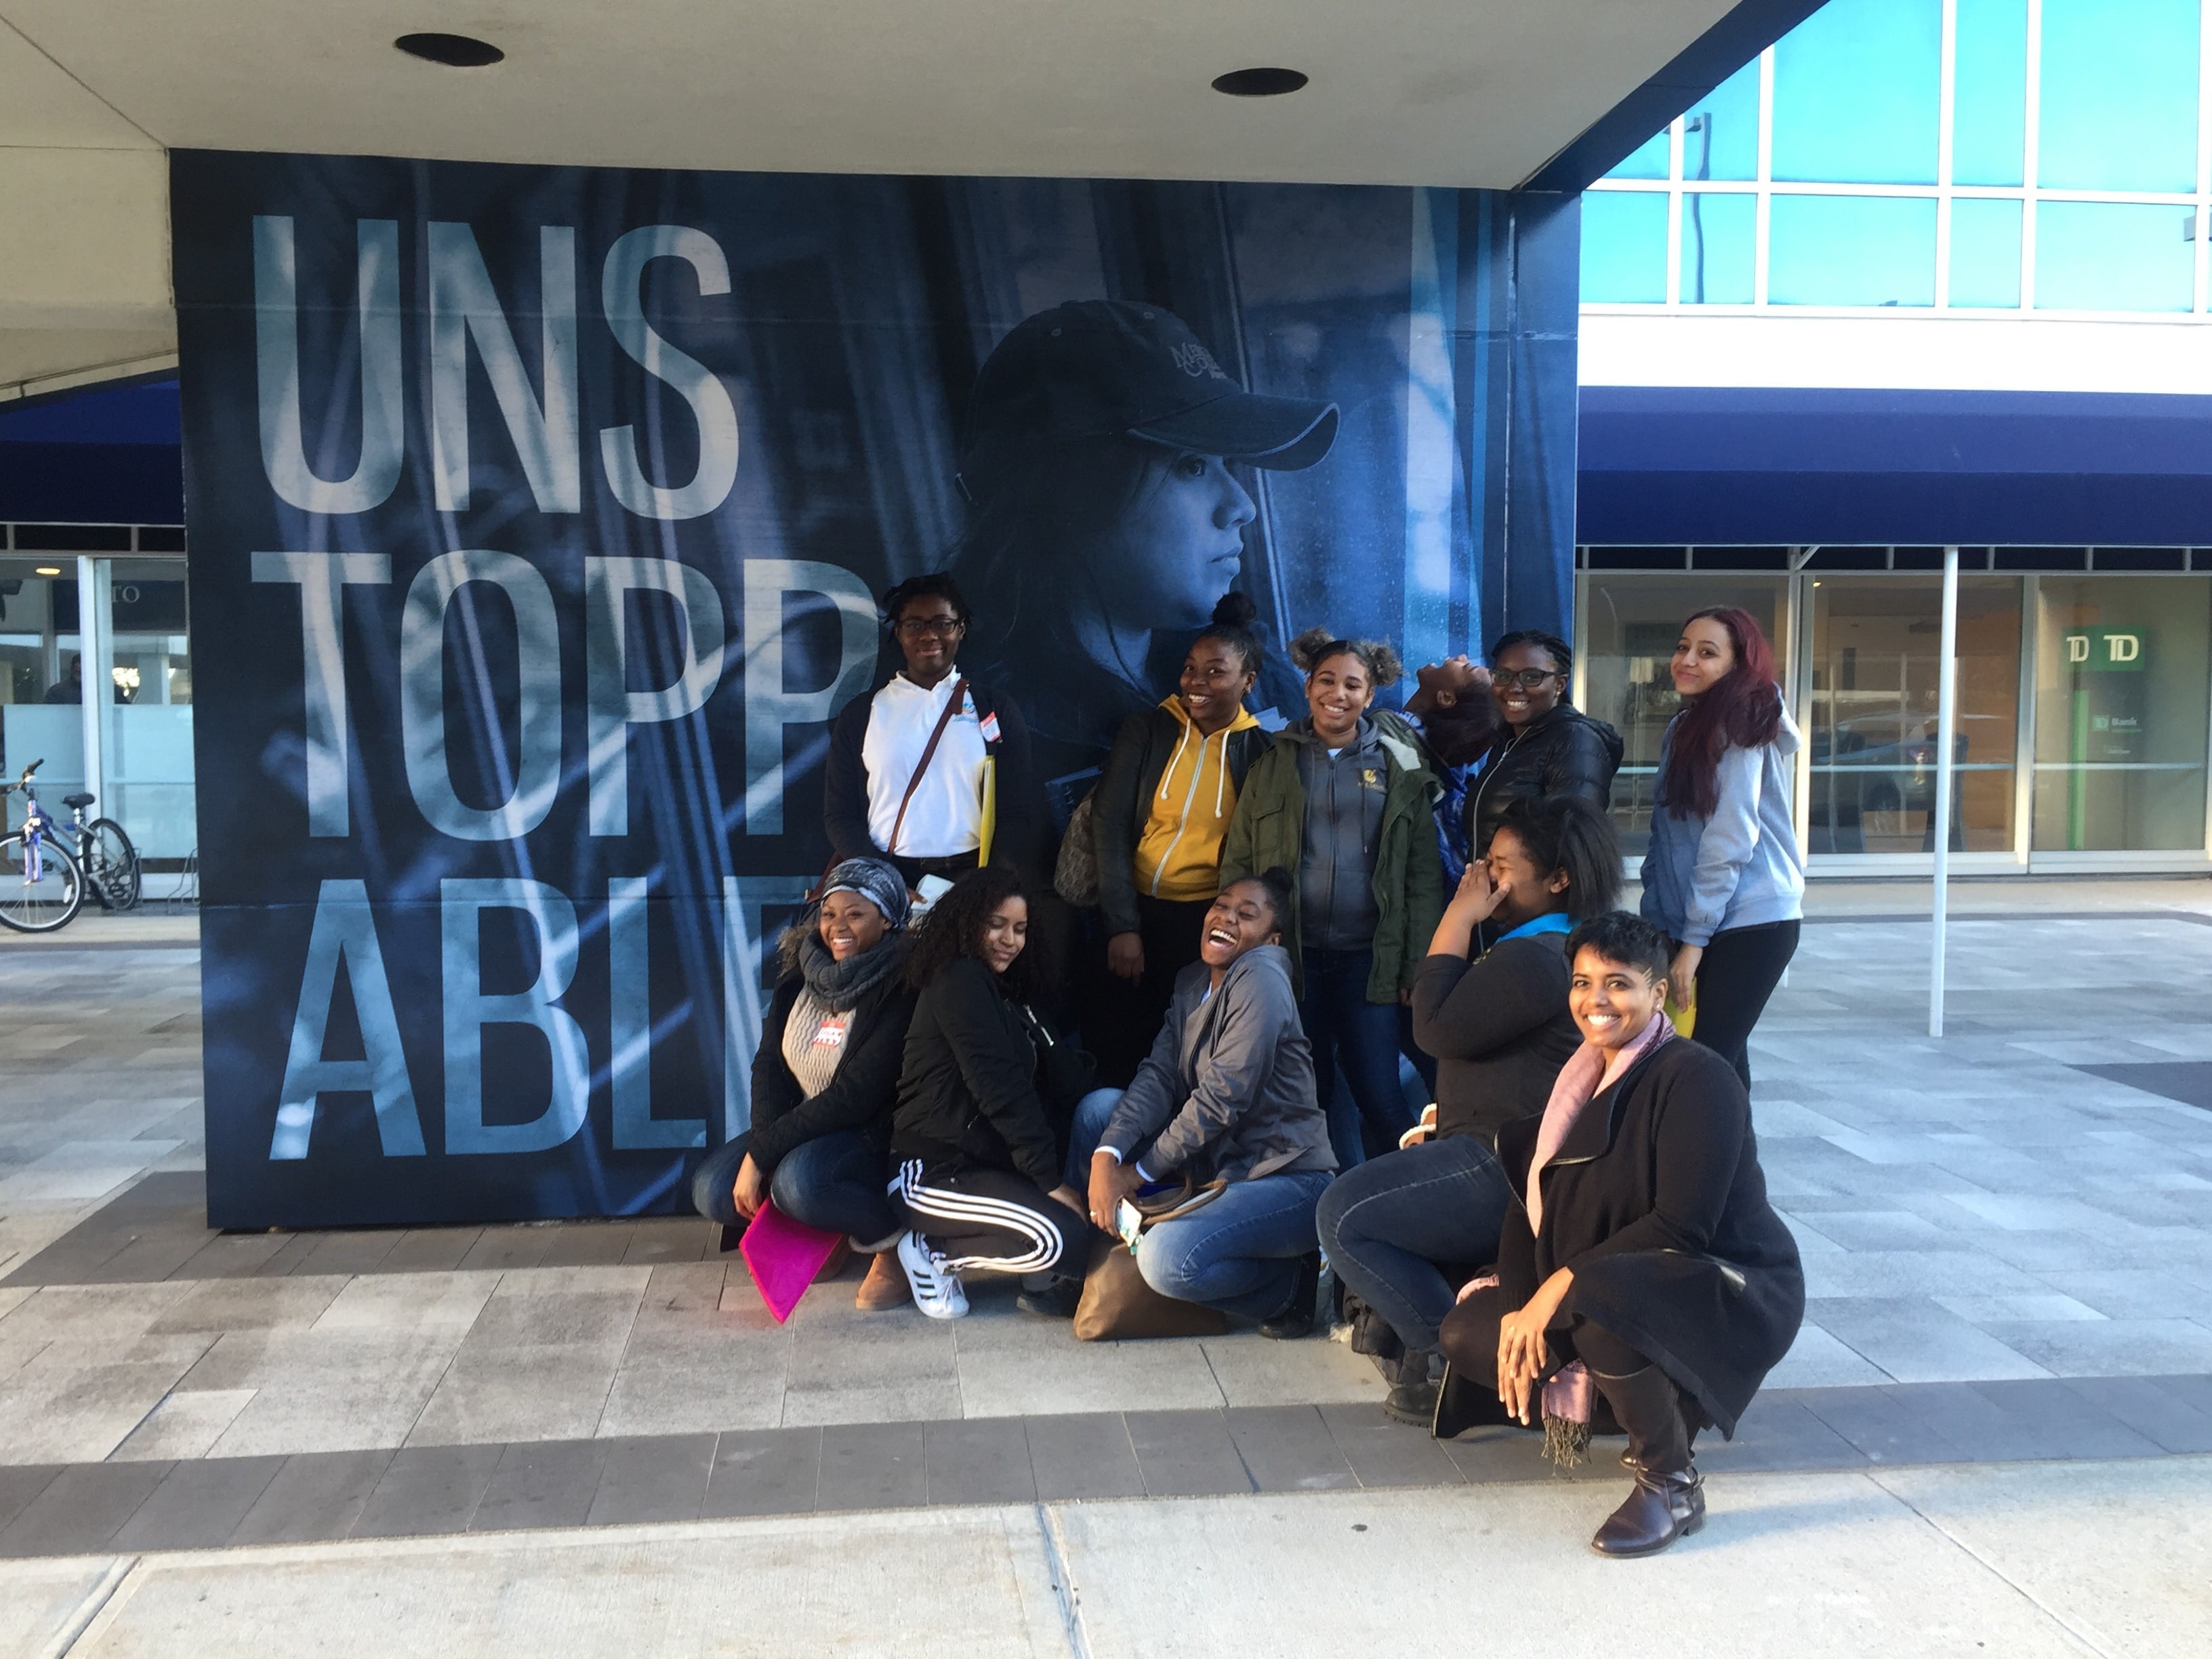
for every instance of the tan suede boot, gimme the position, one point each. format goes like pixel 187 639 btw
pixel 885 1286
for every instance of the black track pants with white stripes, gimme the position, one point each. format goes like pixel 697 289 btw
pixel 991 1221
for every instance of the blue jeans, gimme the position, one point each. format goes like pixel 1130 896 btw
pixel 1088 1127
pixel 1240 1252
pixel 1361 1038
pixel 835 1181
pixel 1392 1224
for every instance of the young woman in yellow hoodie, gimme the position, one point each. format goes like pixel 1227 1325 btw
pixel 1162 808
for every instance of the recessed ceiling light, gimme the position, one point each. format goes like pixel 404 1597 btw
pixel 453 51
pixel 49 570
pixel 1259 83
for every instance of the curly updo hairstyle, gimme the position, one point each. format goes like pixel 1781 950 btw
pixel 1378 657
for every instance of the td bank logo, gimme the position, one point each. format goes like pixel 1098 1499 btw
pixel 2106 649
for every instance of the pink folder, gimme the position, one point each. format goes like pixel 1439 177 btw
pixel 783 1256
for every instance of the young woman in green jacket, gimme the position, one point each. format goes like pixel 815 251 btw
pixel 1343 798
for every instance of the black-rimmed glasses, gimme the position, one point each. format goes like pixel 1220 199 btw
pixel 1527 678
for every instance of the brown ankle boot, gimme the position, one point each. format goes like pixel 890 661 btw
pixel 885 1286
pixel 837 1262
pixel 1668 1499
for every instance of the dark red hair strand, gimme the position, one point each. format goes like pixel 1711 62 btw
pixel 1743 711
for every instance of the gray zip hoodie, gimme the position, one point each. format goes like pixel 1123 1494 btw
pixel 1345 795
pixel 1229 1086
pixel 1739 868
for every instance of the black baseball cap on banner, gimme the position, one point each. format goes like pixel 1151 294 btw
pixel 1101 368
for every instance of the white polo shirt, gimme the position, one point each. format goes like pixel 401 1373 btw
pixel 945 817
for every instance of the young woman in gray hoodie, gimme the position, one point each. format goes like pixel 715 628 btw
pixel 1724 877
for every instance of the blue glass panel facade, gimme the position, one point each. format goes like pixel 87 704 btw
pixel 1851 251
pixel 1857 91
pixel 1989 97
pixel 1720 133
pixel 1719 235
pixel 1649 161
pixel 1985 253
pixel 2110 256
pixel 1624 247
pixel 2119 95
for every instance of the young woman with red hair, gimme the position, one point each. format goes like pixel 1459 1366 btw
pixel 1724 877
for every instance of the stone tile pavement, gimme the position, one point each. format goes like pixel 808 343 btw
pixel 1979 1210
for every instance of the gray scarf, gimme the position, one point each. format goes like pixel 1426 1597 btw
pixel 842 984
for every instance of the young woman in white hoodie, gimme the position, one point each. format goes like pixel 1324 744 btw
pixel 1724 877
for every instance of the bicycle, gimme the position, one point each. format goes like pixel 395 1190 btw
pixel 50 877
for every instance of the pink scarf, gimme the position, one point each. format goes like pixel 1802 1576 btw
pixel 1568 1395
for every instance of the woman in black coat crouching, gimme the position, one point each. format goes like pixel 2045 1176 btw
pixel 1640 1262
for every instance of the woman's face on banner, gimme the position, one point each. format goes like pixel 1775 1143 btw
pixel 1178 547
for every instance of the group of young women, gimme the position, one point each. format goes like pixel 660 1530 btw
pixel 1575 1228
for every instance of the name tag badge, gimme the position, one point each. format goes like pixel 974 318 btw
pixel 991 727
pixel 829 1034
pixel 1371 776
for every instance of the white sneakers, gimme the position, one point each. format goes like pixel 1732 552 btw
pixel 937 1288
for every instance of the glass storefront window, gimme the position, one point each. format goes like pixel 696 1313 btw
pixel 2122 687
pixel 2106 256
pixel 1857 87
pixel 1624 247
pixel 2118 108
pixel 1989 93
pixel 1871 714
pixel 1630 624
pixel 1851 251
pixel 1985 253
pixel 1720 243
pixel 1649 159
pixel 1720 131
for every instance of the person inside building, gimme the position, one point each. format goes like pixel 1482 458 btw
pixel 1403 1231
pixel 1542 744
pixel 1099 457
pixel 905 780
pixel 825 1077
pixel 1723 877
pixel 1342 797
pixel 986 1094
pixel 1642 1263
pixel 1227 1095
pixel 1158 818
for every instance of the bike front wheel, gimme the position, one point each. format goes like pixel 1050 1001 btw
pixel 39 902
pixel 112 868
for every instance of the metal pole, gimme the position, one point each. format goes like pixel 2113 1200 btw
pixel 95 654
pixel 1946 700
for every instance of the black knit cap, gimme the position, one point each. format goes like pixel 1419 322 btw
pixel 1100 369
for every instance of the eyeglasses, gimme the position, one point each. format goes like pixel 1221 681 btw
pixel 1527 678
pixel 945 628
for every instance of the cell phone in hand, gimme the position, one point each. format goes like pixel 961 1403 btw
pixel 1129 1221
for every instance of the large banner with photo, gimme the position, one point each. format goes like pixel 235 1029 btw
pixel 537 518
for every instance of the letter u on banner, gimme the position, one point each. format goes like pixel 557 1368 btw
pixel 527 789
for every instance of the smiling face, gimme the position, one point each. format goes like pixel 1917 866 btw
pixel 929 630
pixel 850 925
pixel 1612 1001
pixel 1703 656
pixel 1179 544
pixel 1242 919
pixel 1518 700
pixel 1213 684
pixel 1528 891
pixel 1338 692
pixel 1006 931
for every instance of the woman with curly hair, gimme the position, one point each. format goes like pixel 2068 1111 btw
pixel 1343 798
pixel 984 1095
pixel 1724 877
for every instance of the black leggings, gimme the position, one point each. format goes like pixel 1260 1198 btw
pixel 992 1221
pixel 1736 977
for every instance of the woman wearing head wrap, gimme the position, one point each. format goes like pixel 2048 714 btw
pixel 826 1076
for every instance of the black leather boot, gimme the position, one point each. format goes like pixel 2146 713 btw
pixel 1296 1317
pixel 1668 1499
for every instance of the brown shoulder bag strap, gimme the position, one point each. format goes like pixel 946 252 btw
pixel 928 753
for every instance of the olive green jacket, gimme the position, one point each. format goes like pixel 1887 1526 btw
pixel 1268 831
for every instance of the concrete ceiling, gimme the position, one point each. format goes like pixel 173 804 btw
pixel 93 92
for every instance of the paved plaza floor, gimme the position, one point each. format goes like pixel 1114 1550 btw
pixel 1995 1427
